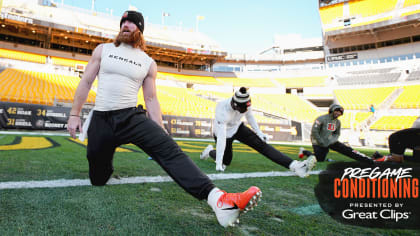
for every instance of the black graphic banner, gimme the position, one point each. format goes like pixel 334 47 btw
pixel 39 117
pixel 34 117
pixel 25 116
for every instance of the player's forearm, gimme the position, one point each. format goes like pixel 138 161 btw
pixel 251 120
pixel 220 148
pixel 319 139
pixel 316 135
pixel 154 111
pixel 220 131
pixel 80 97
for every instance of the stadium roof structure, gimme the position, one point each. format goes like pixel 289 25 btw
pixel 338 20
pixel 287 49
pixel 76 28
pixel 407 23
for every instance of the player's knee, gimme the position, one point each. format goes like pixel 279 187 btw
pixel 265 148
pixel 98 181
pixel 320 159
pixel 393 139
pixel 99 178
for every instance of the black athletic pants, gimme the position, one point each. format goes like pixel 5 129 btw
pixel 246 136
pixel 403 139
pixel 321 152
pixel 110 129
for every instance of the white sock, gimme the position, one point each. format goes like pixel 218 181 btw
pixel 214 196
pixel 292 165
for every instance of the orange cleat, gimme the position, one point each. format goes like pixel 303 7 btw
pixel 390 158
pixel 381 159
pixel 230 206
pixel 241 200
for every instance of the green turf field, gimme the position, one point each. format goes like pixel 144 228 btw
pixel 288 206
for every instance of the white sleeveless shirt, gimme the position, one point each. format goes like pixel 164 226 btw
pixel 121 74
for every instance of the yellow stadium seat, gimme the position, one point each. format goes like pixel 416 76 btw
pixel 22 56
pixel 409 98
pixel 362 98
pixel 365 8
pixel 38 87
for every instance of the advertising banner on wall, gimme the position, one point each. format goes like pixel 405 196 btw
pixel 188 127
pixel 202 128
pixel 39 117
pixel 33 117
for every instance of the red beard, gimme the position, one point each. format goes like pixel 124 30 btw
pixel 131 38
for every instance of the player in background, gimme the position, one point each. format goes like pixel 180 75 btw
pixel 324 136
pixel 122 68
pixel 228 127
pixel 401 140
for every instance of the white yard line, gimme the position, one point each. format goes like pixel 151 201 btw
pixel 136 180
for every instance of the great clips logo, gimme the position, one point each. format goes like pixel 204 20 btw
pixel 385 196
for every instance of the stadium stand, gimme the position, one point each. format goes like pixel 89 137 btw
pixel 182 102
pixel 370 8
pixel 246 82
pixel 188 102
pixel 375 64
pixel 298 82
pixel 213 95
pixel 67 62
pixel 310 81
pixel 352 119
pixel 372 71
pixel 408 3
pixel 192 79
pixel 393 122
pixel 362 98
pixel 368 78
pixel 409 98
pixel 412 6
pixel 414 75
pixel 33 87
pixel 285 105
pixel 22 56
pixel 330 13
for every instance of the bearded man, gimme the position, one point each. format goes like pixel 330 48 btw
pixel 122 68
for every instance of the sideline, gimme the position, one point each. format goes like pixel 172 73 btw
pixel 136 180
pixel 298 143
pixel 178 139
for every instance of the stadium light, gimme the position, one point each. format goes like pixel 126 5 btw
pixel 198 18
pixel 93 5
pixel 164 14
